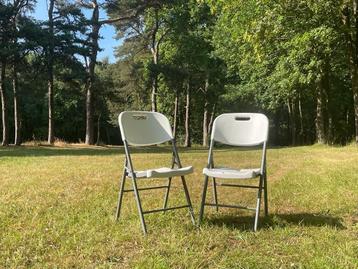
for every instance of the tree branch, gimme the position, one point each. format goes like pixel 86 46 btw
pixel 136 30
pixel 109 21
pixel 162 36
pixel 138 10
pixel 85 4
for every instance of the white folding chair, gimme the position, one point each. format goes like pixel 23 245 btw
pixel 145 129
pixel 243 130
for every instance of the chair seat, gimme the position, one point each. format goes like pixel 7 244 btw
pixel 222 172
pixel 164 172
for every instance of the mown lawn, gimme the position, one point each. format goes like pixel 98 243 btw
pixel 57 210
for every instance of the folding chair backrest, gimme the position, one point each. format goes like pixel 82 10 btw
pixel 240 129
pixel 141 128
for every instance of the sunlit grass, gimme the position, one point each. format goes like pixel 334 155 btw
pixel 57 208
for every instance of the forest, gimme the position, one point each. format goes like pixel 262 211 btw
pixel 294 60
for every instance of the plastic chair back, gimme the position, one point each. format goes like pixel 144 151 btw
pixel 241 129
pixel 141 128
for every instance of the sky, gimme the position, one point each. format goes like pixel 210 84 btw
pixel 108 41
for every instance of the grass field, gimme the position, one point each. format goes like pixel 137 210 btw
pixel 57 208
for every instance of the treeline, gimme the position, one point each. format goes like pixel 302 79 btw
pixel 296 61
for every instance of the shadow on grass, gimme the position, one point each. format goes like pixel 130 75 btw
pixel 43 151
pixel 245 223
pixel 81 150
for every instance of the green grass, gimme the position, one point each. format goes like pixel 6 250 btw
pixel 57 210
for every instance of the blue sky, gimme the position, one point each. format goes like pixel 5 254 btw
pixel 108 41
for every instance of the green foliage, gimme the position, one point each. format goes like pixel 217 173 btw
pixel 280 51
pixel 282 58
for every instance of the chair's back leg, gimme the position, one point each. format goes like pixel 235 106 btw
pixel 215 194
pixel 187 196
pixel 167 194
pixel 265 195
pixel 169 180
pixel 176 160
pixel 203 199
pixel 258 204
pixel 120 195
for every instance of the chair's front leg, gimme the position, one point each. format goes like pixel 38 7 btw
pixel 258 203
pixel 203 199
pixel 167 194
pixel 187 196
pixel 120 194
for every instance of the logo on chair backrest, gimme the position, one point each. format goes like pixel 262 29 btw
pixel 139 117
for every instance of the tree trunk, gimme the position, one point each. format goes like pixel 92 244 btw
pixel 187 142
pixel 98 129
pixel 211 122
pixel 354 67
pixel 205 116
pixel 292 120
pixel 108 142
pixel 205 124
pixel 155 53
pixel 354 77
pixel 50 138
pixel 276 131
pixel 17 116
pixel 175 116
pixel 154 88
pixel 154 94
pixel 89 115
pixel 15 60
pixel 91 75
pixel 301 135
pixel 348 134
pixel 330 134
pixel 4 109
pixel 155 78
pixel 352 43
pixel 320 136
pixel 328 116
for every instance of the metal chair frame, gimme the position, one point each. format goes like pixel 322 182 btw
pixel 129 171
pixel 262 186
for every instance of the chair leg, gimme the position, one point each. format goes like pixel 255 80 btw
pixel 203 199
pixel 167 194
pixel 139 205
pixel 215 194
pixel 187 196
pixel 257 213
pixel 120 195
pixel 265 196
